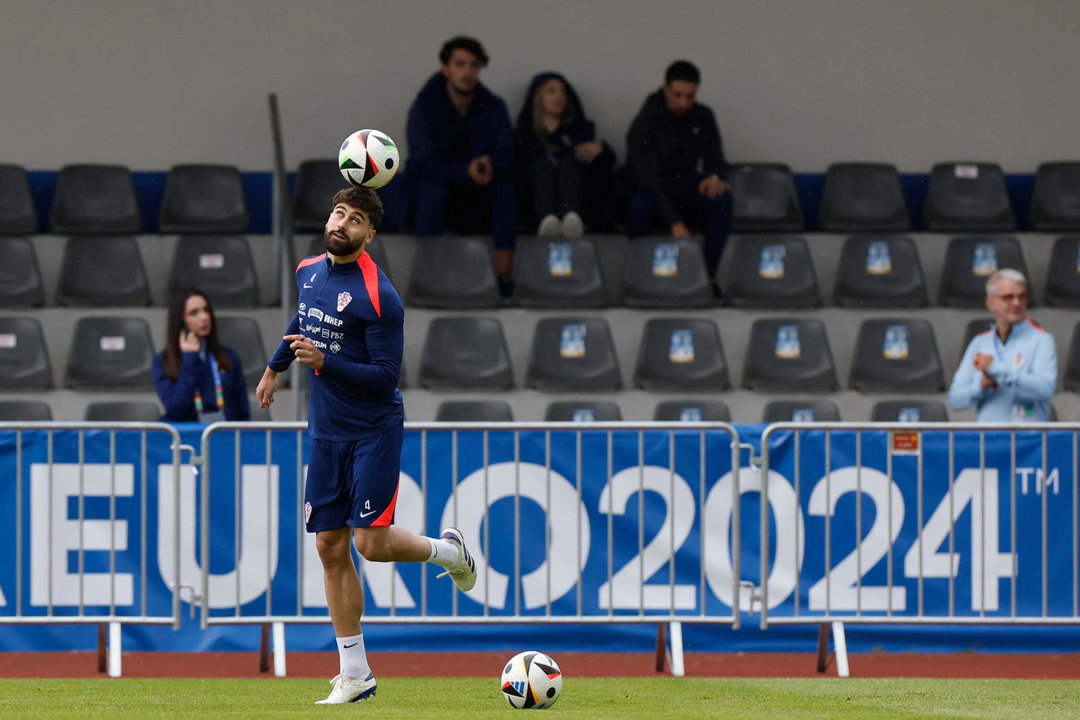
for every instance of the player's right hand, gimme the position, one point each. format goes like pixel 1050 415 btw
pixel 264 393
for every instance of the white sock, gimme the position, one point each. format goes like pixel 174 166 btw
pixel 443 553
pixel 353 657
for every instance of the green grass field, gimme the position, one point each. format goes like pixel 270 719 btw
pixel 581 698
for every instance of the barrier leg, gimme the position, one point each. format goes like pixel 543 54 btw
pixel 279 649
pixel 677 667
pixel 661 649
pixel 102 647
pixel 822 647
pixel 264 648
pixel 114 649
pixel 840 647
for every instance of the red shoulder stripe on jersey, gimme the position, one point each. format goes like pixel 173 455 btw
pixel 1035 325
pixel 309 261
pixel 987 331
pixel 387 515
pixel 371 279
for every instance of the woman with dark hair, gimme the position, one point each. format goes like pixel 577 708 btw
pixel 197 378
pixel 563 167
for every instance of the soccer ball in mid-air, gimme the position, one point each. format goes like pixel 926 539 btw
pixel 368 158
pixel 531 680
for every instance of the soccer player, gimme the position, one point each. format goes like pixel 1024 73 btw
pixel 348 331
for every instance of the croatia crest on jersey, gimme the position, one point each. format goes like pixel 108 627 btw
pixel 343 299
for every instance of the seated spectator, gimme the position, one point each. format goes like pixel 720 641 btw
pixel 461 152
pixel 677 166
pixel 561 163
pixel 1009 371
pixel 197 378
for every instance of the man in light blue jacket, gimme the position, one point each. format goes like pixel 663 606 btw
pixel 1009 371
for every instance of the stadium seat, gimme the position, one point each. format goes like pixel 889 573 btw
pixel 1072 362
pixel 219 265
pixel 896 355
pixel 204 199
pixel 453 272
pixel 773 271
pixel 110 352
pixel 692 411
pixel 909 411
pixel 103 271
pixel 583 411
pixel 1063 275
pixel 801 411
pixel 24 358
pixel 970 260
pixel 681 354
pixel 573 354
pixel 317 181
pixel 123 411
pixel 465 353
pixel 974 327
pixel 665 273
pixel 557 273
pixel 764 199
pixel 1055 202
pixel 789 354
pixel 863 197
pixel 474 411
pixel 243 335
pixel 17 214
pixel 967 197
pixel 25 411
pixel 95 199
pixel 20 275
pixel 880 271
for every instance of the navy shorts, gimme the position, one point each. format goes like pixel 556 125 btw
pixel 353 483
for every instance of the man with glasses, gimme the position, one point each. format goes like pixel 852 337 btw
pixel 1009 371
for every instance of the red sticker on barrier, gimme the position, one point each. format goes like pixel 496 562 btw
pixel 906 442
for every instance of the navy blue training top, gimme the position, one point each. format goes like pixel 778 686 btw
pixel 355 317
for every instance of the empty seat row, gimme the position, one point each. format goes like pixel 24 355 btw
pixel 97 411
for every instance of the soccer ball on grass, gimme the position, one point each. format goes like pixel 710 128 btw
pixel 531 680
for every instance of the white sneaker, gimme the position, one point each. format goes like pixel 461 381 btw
pixel 349 689
pixel 464 571
pixel 549 226
pixel 572 225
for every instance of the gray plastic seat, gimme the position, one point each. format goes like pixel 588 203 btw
pixel 806 411
pixel 970 260
pixel 789 354
pixel 583 411
pixel 25 411
pixel 474 411
pixel 244 336
pixel 1063 275
pixel 573 354
pixel 453 272
pixel 317 181
pixel 909 411
pixel 465 353
pixel 24 357
pixel 665 273
pixel 692 411
pixel 111 352
pixel 123 411
pixel 681 354
pixel 973 328
pixel 20 275
pixel 967 197
pixel 880 271
pixel 219 265
pixel 1072 362
pixel 17 213
pixel 204 199
pixel 376 249
pixel 95 199
pixel 863 197
pixel 557 273
pixel 1055 201
pixel 774 271
pixel 897 355
pixel 103 271
pixel 764 199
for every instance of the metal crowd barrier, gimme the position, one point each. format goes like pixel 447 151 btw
pixel 489 477
pixel 58 462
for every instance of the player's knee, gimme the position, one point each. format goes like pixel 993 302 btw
pixel 333 549
pixel 374 546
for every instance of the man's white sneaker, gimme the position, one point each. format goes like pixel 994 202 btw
pixel 549 226
pixel 349 689
pixel 464 571
pixel 572 225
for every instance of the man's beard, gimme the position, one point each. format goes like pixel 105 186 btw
pixel 336 245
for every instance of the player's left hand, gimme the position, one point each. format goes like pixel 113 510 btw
pixel 712 187
pixel 305 351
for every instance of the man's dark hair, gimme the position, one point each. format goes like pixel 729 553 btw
pixel 362 199
pixel 682 70
pixel 462 42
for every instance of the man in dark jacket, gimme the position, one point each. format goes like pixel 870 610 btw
pixel 677 165
pixel 461 151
